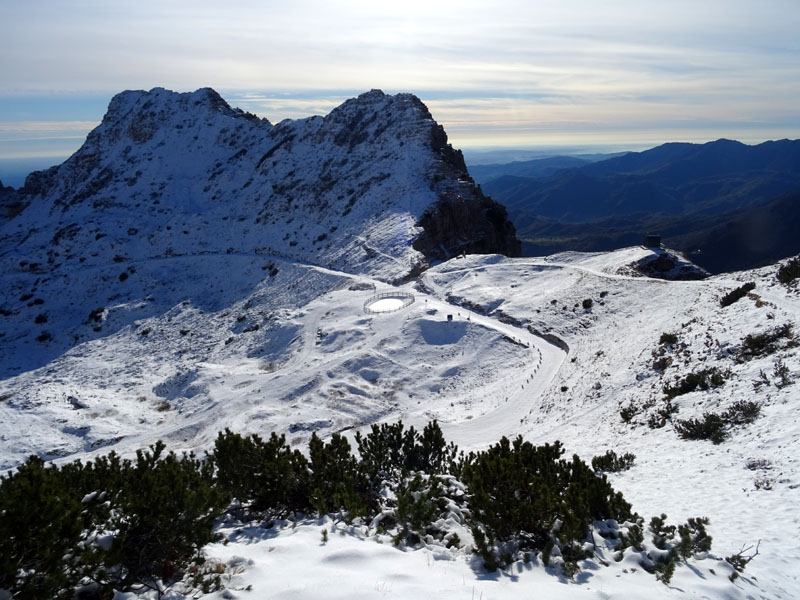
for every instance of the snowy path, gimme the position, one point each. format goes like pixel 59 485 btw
pixel 519 393
pixel 526 386
pixel 547 263
pixel 238 387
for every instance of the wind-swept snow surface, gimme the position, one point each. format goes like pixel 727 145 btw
pixel 490 347
pixel 294 562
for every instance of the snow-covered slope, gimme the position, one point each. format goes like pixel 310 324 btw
pixel 317 362
pixel 292 353
pixel 749 485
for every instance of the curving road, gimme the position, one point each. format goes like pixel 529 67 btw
pixel 505 419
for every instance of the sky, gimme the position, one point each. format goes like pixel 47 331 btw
pixel 591 74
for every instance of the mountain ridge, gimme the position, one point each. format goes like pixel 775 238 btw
pixel 674 189
pixel 373 167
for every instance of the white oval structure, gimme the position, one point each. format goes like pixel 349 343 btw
pixel 387 302
pixel 387 305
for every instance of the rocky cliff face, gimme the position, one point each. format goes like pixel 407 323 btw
pixel 11 203
pixel 372 187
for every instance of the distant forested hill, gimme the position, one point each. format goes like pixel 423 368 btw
pixel 732 202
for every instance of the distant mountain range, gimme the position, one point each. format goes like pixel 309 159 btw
pixel 729 204
pixel 536 168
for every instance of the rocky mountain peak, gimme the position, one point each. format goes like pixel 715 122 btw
pixel 138 104
pixel 138 115
pixel 372 187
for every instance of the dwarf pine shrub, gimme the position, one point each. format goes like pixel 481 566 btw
pixel 626 413
pixel 737 294
pixel 783 376
pixel 693 537
pixel 267 474
pixel 419 501
pixel 668 339
pixel 163 515
pixel 739 560
pixel 634 538
pixel 519 490
pixel 698 380
pixel 789 271
pixel 611 463
pixel 140 524
pixel 116 523
pixel 710 427
pixel 390 449
pixel 337 481
pixel 662 533
pixel 40 523
pixel 766 343
pixel 742 412
pixel 665 570
pixel 714 426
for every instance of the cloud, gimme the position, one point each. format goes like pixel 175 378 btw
pixel 277 107
pixel 524 66
pixel 43 128
pixel 26 139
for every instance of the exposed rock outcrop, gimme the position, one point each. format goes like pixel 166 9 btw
pixel 464 220
pixel 666 264
pixel 11 203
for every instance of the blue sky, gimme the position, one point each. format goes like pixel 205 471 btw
pixel 605 74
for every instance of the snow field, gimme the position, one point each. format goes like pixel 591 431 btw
pixel 316 362
pixel 610 366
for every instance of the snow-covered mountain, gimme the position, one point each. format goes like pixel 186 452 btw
pixel 118 331
pixel 372 187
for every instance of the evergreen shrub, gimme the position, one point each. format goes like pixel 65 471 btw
pixel 789 271
pixel 766 343
pixel 715 427
pixel 337 481
pixel 737 294
pixel 611 463
pixel 105 525
pixel 112 524
pixel 519 491
pixel 698 380
pixel 668 339
pixel 710 427
pixel 268 475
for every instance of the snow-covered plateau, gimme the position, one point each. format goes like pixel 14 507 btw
pixel 130 317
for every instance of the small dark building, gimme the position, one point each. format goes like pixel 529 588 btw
pixel 652 240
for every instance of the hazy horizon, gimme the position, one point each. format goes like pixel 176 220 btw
pixel 14 170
